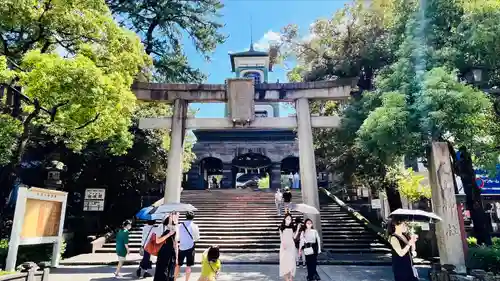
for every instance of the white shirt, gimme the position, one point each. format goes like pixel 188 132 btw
pixel 278 197
pixel 460 185
pixel 310 236
pixel 147 231
pixel 186 242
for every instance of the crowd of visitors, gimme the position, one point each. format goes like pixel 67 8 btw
pixel 174 244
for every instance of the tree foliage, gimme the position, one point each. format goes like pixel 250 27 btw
pixel 162 26
pixel 410 186
pixel 413 60
pixel 75 99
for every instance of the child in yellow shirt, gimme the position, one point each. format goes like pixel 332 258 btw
pixel 210 264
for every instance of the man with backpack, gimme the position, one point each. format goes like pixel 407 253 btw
pixel 188 235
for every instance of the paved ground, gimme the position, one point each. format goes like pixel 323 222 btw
pixel 228 258
pixel 236 273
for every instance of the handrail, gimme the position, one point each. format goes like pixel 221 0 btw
pixel 379 231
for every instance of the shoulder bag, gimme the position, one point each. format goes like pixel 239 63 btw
pixel 309 250
pixel 152 247
pixel 141 251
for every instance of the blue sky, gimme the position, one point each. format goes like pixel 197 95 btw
pixel 268 17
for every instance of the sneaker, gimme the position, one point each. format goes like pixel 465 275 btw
pixel 147 274
pixel 138 272
pixel 304 265
pixel 297 264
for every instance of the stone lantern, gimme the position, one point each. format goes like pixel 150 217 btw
pixel 475 76
pixel 54 169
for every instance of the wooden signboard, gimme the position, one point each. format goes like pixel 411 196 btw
pixel 38 219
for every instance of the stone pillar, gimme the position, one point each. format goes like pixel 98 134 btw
pixel 444 205
pixel 307 161
pixel 275 176
pixel 174 168
pixel 227 176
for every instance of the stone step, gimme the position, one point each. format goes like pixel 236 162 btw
pixel 245 222
pixel 264 244
pixel 201 250
pixel 269 222
pixel 263 226
pixel 349 251
pixel 270 239
pixel 274 233
pixel 260 216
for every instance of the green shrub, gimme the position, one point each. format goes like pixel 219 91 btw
pixel 472 241
pixel 485 258
pixel 34 253
pixel 496 242
pixel 5 272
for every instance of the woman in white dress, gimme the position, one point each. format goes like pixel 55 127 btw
pixel 310 247
pixel 287 248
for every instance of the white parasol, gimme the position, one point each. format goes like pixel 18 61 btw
pixel 304 209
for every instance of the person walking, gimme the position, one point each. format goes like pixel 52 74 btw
pixel 310 247
pixel 167 256
pixel 278 200
pixel 189 234
pixel 287 199
pixel 210 264
pixel 146 263
pixel 122 249
pixel 287 248
pixel 300 256
pixel 402 249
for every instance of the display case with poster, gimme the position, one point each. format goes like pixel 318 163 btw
pixel 38 219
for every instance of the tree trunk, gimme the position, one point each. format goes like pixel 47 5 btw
pixel 393 197
pixel 473 198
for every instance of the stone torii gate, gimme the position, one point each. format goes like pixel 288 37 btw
pixel 241 95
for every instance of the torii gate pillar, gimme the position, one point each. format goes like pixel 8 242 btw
pixel 307 160
pixel 175 153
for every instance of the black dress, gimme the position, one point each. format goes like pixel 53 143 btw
pixel 403 266
pixel 165 264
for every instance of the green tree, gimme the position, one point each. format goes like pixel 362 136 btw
pixel 356 43
pixel 162 26
pixel 410 186
pixel 423 101
pixel 69 70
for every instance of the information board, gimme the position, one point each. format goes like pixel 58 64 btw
pixel 376 204
pixel 38 219
pixel 94 199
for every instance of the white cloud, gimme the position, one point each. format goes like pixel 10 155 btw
pixel 266 40
pixel 311 35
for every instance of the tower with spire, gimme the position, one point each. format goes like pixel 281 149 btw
pixel 257 65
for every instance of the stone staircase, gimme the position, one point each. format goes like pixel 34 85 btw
pixel 245 221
